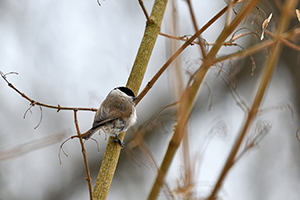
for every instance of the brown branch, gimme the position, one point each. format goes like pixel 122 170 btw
pixel 144 10
pixel 267 76
pixel 182 38
pixel 226 43
pixel 262 45
pixel 284 41
pixel 177 53
pixel 202 48
pixel 178 89
pixel 188 97
pixel 33 102
pixel 246 52
pixel 88 178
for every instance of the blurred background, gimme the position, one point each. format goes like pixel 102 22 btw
pixel 73 53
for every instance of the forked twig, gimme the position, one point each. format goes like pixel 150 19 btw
pixel 61 149
pixel 177 53
pixel 33 103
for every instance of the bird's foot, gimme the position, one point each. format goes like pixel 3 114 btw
pixel 119 141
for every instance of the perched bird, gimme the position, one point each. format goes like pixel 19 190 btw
pixel 116 114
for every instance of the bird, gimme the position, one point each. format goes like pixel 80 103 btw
pixel 116 114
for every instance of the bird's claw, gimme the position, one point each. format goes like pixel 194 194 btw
pixel 119 141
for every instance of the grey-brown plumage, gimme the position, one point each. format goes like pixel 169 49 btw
pixel 116 114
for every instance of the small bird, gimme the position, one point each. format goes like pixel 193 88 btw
pixel 116 114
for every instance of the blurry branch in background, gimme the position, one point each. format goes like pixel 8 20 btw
pixel 279 107
pixel 155 123
pixel 228 78
pixel 270 65
pixel 284 38
pixel 31 146
pixel 260 131
pixel 294 33
pixel 188 97
pixel 187 180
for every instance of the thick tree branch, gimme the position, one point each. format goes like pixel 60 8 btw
pixel 135 79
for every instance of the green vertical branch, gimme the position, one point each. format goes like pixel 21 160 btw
pixel 112 152
pixel 150 35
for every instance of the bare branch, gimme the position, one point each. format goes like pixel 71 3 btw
pixel 88 178
pixel 144 10
pixel 33 102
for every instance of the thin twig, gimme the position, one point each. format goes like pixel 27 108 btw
pixel 33 102
pixel 202 48
pixel 61 149
pixel 144 10
pixel 182 38
pixel 256 48
pixel 41 118
pixel 177 53
pixel 88 178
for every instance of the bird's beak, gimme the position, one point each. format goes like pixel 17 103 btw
pixel 135 99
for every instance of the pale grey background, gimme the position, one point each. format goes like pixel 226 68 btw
pixel 73 53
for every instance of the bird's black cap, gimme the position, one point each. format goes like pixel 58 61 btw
pixel 126 91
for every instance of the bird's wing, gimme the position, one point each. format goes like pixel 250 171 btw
pixel 104 114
